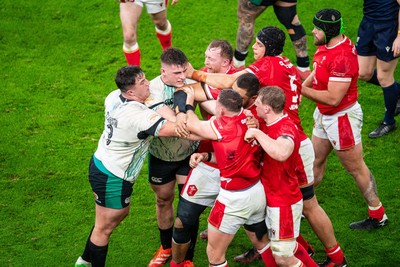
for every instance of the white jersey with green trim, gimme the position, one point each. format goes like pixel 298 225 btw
pixel 167 148
pixel 119 148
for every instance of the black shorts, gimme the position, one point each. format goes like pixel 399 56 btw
pixel 376 39
pixel 162 172
pixel 109 190
pixel 269 2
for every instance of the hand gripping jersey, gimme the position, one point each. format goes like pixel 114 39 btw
pixel 167 148
pixel 279 178
pixel 119 148
pixel 278 71
pixel 338 64
pixel 238 161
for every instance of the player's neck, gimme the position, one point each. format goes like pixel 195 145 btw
pixel 335 40
pixel 273 117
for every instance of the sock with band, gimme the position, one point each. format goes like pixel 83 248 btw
pixel 132 54
pixel 165 37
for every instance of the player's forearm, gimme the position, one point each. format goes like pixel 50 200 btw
pixel 217 80
pixel 323 97
pixel 279 149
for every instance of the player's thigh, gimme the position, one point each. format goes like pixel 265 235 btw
pixel 352 159
pixel 164 192
pixel 247 11
pixel 322 148
pixel 108 218
pixel 129 14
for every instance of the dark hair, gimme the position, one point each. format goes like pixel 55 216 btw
pixel 274 97
pixel 230 99
pixel 225 46
pixel 174 56
pixel 273 39
pixel 330 22
pixel 250 83
pixel 126 77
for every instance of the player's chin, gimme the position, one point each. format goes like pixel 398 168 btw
pixel 180 83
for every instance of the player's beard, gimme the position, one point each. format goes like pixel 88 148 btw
pixel 319 42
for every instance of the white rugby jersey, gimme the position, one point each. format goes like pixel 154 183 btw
pixel 167 148
pixel 119 148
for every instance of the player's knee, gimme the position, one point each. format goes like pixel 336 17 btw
pixel 286 16
pixel 164 201
pixel 282 249
pixel 365 75
pixel 181 235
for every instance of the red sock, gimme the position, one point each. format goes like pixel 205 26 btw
pixel 335 254
pixel 174 264
pixel 378 213
pixel 133 58
pixel 267 257
pixel 165 37
pixel 302 255
pixel 300 239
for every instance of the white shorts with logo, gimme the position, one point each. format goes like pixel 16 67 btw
pixel 232 209
pixel 202 185
pixel 284 222
pixel 307 156
pixel 152 6
pixel 342 129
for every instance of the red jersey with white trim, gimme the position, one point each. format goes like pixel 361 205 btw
pixel 238 161
pixel 212 92
pixel 279 71
pixel 337 64
pixel 279 178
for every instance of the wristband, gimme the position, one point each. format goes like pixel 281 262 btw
pixel 180 101
pixel 200 76
pixel 189 107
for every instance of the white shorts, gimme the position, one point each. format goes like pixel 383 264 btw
pixel 202 185
pixel 342 129
pixel 306 162
pixel 284 222
pixel 152 6
pixel 232 209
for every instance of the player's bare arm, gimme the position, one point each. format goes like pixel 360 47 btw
pixel 331 97
pixel 279 149
pixel 167 113
pixel 217 80
pixel 209 106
